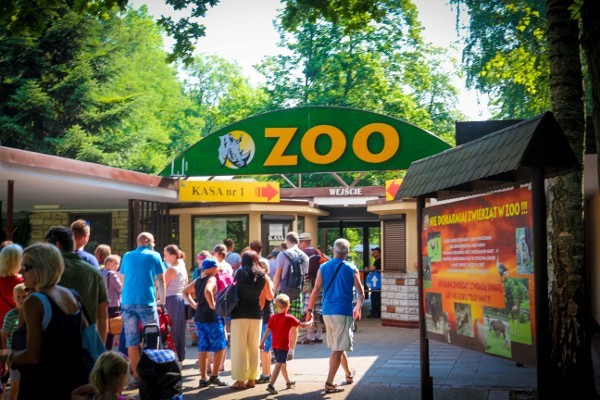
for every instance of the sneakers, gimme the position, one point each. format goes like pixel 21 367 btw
pixel 263 379
pixel 214 380
pixel 306 341
pixel 271 389
pixel 134 383
pixel 318 341
pixel 290 385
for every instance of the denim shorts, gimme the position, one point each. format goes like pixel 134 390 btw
pixel 133 314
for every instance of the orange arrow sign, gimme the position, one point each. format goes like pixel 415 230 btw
pixel 269 192
pixel 391 188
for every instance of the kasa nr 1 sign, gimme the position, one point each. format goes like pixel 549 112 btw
pixel 305 140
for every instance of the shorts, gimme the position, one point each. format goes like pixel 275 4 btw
pixel 133 314
pixel 339 332
pixel 280 355
pixel 267 340
pixel 211 336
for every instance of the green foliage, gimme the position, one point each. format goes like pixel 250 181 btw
pixel 505 55
pixel 32 18
pixel 221 93
pixel 95 90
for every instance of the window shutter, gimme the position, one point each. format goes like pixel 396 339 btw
pixel 394 245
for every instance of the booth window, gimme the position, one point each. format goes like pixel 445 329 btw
pixel 394 244
pixel 211 230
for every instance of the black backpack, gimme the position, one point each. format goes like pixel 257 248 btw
pixel 295 275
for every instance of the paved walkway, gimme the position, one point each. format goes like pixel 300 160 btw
pixel 387 367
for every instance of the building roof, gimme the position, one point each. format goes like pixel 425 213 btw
pixel 65 184
pixel 501 159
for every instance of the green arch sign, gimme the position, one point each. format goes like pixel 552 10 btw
pixel 306 140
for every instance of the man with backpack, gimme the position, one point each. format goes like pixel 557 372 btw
pixel 291 266
pixel 315 259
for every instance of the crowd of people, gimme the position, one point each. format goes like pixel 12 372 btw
pixel 49 290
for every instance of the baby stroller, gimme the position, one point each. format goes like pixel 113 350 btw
pixel 158 369
pixel 164 321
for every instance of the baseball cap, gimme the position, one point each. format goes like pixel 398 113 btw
pixel 209 263
pixel 376 248
pixel 305 236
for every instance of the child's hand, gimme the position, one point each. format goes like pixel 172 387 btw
pixel 262 346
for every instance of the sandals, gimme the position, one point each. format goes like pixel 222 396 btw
pixel 350 378
pixel 263 379
pixel 330 388
pixel 238 386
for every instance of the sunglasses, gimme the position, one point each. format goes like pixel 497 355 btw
pixel 26 267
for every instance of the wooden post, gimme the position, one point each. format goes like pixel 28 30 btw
pixel 426 379
pixel 540 258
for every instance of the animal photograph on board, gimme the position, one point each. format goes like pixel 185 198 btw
pixel 434 314
pixel 524 250
pixel 464 326
pixel 517 300
pixel 498 331
pixel 434 246
pixel 426 272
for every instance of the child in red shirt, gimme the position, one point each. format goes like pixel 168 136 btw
pixel 279 326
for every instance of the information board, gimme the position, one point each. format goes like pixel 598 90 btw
pixel 478 274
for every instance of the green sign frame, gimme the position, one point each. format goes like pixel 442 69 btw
pixel 307 140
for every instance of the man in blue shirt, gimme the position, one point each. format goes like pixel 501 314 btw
pixel 338 279
pixel 141 269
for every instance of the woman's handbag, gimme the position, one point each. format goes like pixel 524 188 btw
pixel 115 325
pixel 91 343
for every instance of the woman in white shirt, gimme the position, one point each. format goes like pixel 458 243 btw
pixel 176 278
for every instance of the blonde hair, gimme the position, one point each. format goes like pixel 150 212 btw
pixel 10 260
pixel 20 288
pixel 47 264
pixel 282 301
pixel 110 373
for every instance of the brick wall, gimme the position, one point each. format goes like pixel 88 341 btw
pixel 400 299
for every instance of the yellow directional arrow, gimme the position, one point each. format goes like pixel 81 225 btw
pixel 230 192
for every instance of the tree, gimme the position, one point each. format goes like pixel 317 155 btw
pixel 223 95
pixel 88 89
pixel 571 361
pixel 32 18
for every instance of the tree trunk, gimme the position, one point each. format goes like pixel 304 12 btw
pixel 571 363
pixel 591 45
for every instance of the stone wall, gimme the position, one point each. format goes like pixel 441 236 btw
pixel 399 299
pixel 120 232
pixel 42 221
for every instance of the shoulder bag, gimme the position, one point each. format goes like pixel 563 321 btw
pixel 91 342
